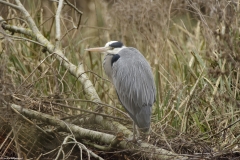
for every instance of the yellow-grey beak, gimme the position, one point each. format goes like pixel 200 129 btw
pixel 97 49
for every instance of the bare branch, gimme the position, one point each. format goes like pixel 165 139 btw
pixel 10 4
pixel 58 25
pixel 17 29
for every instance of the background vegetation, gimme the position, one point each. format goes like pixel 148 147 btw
pixel 192 46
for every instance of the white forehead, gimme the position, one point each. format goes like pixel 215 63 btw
pixel 108 43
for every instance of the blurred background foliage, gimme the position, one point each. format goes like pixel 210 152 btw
pixel 192 46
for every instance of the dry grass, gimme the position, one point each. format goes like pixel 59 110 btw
pixel 192 46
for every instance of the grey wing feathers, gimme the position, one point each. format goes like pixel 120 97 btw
pixel 134 83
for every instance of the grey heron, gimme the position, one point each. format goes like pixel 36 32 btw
pixel 132 77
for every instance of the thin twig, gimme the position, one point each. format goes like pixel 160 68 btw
pixel 224 129
pixel 87 111
pixel 80 12
pixel 83 100
pixel 70 4
pixel 33 71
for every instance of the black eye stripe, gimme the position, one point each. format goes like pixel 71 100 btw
pixel 114 58
pixel 116 45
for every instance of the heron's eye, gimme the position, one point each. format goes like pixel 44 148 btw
pixel 111 48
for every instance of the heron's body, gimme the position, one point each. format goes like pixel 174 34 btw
pixel 134 84
pixel 132 77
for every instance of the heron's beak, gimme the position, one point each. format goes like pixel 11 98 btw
pixel 97 49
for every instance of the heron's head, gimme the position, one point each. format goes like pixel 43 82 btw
pixel 112 47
